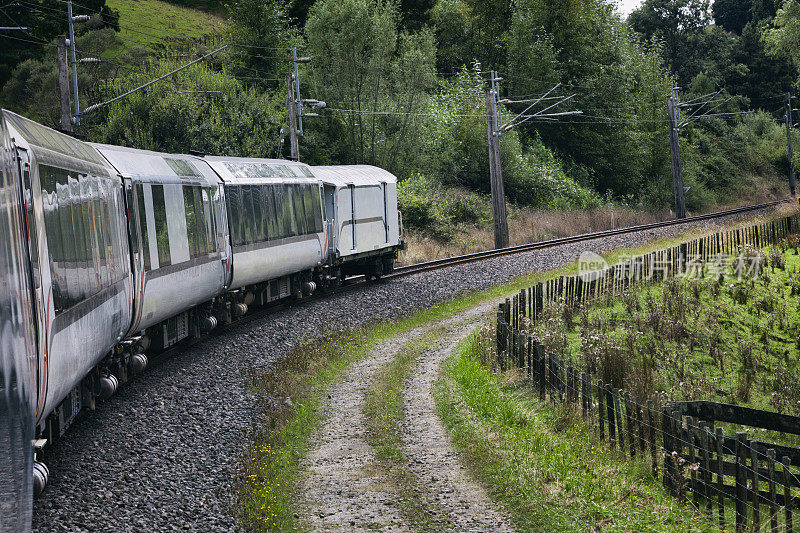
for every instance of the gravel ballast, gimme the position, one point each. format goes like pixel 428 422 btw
pixel 163 453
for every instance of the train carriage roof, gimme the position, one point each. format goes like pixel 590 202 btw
pixel 55 148
pixel 358 175
pixel 252 170
pixel 146 165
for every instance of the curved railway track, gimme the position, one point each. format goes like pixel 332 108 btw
pixel 426 266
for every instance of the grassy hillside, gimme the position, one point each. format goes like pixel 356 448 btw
pixel 155 24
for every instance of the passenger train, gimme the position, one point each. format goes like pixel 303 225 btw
pixel 110 253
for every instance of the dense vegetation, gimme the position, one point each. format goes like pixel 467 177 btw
pixel 405 85
pixel 723 332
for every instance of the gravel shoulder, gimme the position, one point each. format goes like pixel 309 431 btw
pixel 163 453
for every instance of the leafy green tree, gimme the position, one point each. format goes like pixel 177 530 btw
pixel 373 75
pixel 732 15
pixel 783 35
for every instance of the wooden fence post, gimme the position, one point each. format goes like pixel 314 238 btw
pixel 691 428
pixel 720 441
pixel 705 441
pixel 600 394
pixel 619 422
pixel 667 432
pixel 741 481
pixel 629 421
pixel 651 419
pixel 611 417
pixel 677 455
pixel 787 493
pixel 773 496
pixel 754 487
pixel 542 365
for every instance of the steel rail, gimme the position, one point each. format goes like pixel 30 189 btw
pixel 477 256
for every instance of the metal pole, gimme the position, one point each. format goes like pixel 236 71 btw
pixel 77 117
pixel 677 171
pixel 298 102
pixel 63 84
pixel 792 184
pixel 295 153
pixel 496 173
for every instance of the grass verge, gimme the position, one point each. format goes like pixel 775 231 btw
pixel 271 471
pixel 542 464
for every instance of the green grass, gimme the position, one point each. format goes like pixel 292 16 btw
pixel 271 471
pixel 734 341
pixel 543 465
pixel 155 23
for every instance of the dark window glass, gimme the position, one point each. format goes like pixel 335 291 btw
pixel 208 211
pixel 247 214
pixel 298 209
pixel 259 233
pixel 200 224
pixel 270 220
pixel 81 246
pixel 316 205
pixel 234 200
pixel 191 220
pixel 143 225
pixel 160 218
pixel 283 226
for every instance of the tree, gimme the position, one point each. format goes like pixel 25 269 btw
pixel 675 23
pixel 783 34
pixel 376 75
pixel 732 15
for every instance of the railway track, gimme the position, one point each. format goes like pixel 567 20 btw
pixel 477 256
pixel 408 270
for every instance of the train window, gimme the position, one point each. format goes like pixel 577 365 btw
pixel 283 227
pixel 316 205
pixel 208 212
pixel 200 218
pixel 162 233
pixel 299 211
pixel 233 198
pixel 247 214
pixel 80 237
pixel 143 225
pixel 259 233
pixel 191 220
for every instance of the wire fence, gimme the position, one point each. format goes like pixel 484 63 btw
pixel 756 482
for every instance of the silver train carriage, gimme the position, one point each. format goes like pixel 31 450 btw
pixel 179 243
pixel 365 224
pixel 276 228
pixel 18 360
pixel 80 267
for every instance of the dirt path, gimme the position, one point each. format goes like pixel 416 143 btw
pixel 429 450
pixel 345 489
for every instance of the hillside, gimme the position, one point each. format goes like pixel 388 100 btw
pixel 156 24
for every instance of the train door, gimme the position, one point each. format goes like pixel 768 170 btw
pixel 18 388
pixel 33 272
pixel 137 237
pixel 329 197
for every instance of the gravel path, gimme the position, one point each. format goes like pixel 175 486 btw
pixel 343 487
pixel 427 445
pixel 162 454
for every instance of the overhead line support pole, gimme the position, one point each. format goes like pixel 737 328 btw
pixel 77 118
pixel 674 145
pixel 792 184
pixel 495 168
pixel 63 84
pixel 292 115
